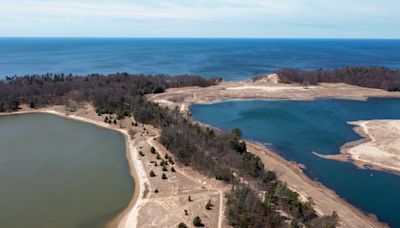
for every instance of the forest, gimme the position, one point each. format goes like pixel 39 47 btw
pixel 257 198
pixel 370 77
pixel 115 92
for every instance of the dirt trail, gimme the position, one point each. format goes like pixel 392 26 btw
pixel 221 193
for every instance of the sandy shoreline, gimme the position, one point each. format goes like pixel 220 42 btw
pixel 249 90
pixel 129 216
pixel 325 199
pixel 379 148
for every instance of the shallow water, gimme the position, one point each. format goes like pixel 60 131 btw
pixel 56 172
pixel 231 59
pixel 297 128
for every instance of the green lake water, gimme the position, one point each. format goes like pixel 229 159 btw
pixel 297 128
pixel 57 172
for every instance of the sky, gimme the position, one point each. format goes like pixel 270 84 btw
pixel 201 18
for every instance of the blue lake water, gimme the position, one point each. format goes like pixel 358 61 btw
pixel 231 59
pixel 297 128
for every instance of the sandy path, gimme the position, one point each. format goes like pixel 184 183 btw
pixel 221 192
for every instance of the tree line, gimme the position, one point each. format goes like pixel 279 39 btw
pixel 257 198
pixel 370 77
pixel 114 92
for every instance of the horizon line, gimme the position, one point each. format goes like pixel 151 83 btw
pixel 181 37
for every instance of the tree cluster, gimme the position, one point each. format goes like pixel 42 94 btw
pixel 370 77
pixel 116 93
pixel 224 156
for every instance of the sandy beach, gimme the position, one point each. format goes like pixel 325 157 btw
pixel 379 149
pixel 245 90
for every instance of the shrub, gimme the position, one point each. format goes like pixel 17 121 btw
pixel 164 168
pixel 209 205
pixel 122 113
pixel 152 174
pixel 159 89
pixel 197 222
pixel 152 150
pixel 164 176
pixel 173 170
pixel 32 104
pixel 182 225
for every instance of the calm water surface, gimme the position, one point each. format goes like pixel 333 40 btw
pixel 56 172
pixel 297 128
pixel 231 59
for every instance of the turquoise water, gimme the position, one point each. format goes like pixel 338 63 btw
pixel 231 59
pixel 297 128
pixel 56 172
